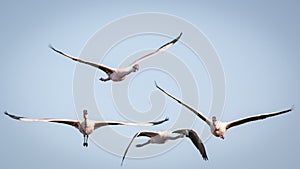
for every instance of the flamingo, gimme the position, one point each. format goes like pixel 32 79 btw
pixel 219 128
pixel 162 137
pixel 85 126
pixel 119 74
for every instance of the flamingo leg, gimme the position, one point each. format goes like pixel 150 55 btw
pixel 176 137
pixel 85 139
pixel 86 142
pixel 143 144
pixel 104 80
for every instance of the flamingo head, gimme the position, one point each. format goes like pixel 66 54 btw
pixel 135 67
pixel 214 119
pixel 85 114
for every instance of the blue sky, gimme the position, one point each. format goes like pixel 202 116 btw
pixel 257 44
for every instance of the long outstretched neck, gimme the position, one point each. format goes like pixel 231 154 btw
pixel 85 118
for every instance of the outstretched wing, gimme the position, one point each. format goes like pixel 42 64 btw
pixel 74 123
pixel 104 68
pixel 139 134
pixel 198 113
pixel 162 48
pixel 256 117
pixel 105 123
pixel 195 139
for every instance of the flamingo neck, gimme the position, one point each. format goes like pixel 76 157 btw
pixel 85 122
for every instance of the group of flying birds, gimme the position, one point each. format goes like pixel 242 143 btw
pixel 87 126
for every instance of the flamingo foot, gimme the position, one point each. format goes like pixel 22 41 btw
pixel 104 80
pixel 139 145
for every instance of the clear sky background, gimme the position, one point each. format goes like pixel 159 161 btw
pixel 258 45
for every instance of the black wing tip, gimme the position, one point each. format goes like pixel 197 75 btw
pixel 176 39
pixel 171 42
pixel 288 110
pixel 6 113
pixel 292 108
pixel 51 47
pixel 179 35
pixel 155 83
pixel 157 86
pixel 167 119
pixel 161 121
pixel 58 51
pixel 122 161
pixel 12 116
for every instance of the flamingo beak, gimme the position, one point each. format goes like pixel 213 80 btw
pixel 222 137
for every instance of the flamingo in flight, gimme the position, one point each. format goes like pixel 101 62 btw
pixel 85 126
pixel 119 74
pixel 219 128
pixel 161 137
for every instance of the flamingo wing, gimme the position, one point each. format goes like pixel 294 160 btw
pixel 105 123
pixel 193 136
pixel 255 117
pixel 74 123
pixel 162 48
pixel 198 113
pixel 102 67
pixel 139 134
